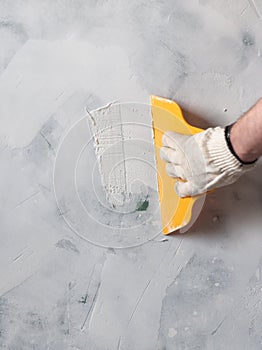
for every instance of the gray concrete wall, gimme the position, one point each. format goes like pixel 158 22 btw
pixel 59 290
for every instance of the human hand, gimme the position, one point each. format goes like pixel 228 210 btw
pixel 200 162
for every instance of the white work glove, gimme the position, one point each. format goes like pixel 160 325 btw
pixel 202 161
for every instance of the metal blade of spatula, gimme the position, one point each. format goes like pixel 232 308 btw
pixel 176 212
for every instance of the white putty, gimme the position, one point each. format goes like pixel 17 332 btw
pixel 124 148
pixel 107 127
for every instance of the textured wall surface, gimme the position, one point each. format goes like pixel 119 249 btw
pixel 58 290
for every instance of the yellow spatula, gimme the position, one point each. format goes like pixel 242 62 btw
pixel 176 212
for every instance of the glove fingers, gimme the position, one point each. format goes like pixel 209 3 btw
pixel 184 189
pixel 175 171
pixel 170 155
pixel 172 139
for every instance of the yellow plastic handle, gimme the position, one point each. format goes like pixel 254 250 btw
pixel 176 212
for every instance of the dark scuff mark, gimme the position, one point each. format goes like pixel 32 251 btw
pixel 142 205
pixel 248 39
pixel 68 245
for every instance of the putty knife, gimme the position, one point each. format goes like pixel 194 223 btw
pixel 176 212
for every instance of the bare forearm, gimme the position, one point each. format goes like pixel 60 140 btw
pixel 246 134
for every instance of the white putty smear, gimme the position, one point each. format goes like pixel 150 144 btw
pixel 123 139
pixel 106 125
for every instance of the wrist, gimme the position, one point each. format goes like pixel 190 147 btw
pixel 219 154
pixel 235 137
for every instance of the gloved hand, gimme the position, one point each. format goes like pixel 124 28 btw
pixel 202 161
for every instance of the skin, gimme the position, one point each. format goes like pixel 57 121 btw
pixel 246 134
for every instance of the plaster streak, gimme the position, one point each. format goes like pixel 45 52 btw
pixel 106 125
pixel 125 154
pixel 255 7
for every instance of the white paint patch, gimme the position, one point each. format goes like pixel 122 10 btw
pixel 124 147
pixel 106 124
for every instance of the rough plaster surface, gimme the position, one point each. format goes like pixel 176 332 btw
pixel 63 284
pixel 123 140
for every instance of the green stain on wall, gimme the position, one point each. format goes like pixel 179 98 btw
pixel 142 205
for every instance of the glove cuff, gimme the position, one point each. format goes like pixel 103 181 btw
pixel 221 155
pixel 230 146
